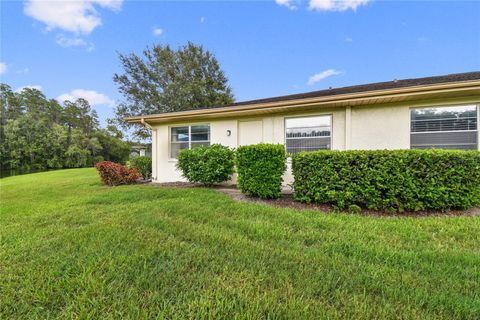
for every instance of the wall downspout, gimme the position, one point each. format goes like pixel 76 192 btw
pixel 154 148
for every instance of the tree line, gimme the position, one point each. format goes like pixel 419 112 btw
pixel 37 133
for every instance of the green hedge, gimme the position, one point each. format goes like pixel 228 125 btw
pixel 391 180
pixel 260 168
pixel 207 165
pixel 143 165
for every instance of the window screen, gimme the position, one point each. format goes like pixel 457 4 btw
pixel 444 128
pixel 188 137
pixel 308 133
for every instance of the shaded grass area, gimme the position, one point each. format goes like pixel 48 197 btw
pixel 70 247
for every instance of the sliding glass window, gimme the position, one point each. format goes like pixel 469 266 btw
pixel 453 127
pixel 188 137
pixel 308 133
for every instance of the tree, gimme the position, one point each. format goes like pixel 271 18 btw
pixel 113 149
pixel 9 109
pixel 10 105
pixel 76 157
pixel 34 102
pixel 79 115
pixel 37 133
pixel 54 111
pixel 166 80
pixel 27 143
pixel 57 144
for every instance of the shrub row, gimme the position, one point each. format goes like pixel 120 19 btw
pixel 260 168
pixel 207 165
pixel 389 180
pixel 113 174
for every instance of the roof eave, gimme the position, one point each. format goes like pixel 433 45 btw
pixel 256 108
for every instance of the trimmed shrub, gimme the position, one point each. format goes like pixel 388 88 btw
pixel 143 166
pixel 114 174
pixel 395 180
pixel 260 168
pixel 207 165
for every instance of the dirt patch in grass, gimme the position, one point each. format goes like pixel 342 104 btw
pixel 287 201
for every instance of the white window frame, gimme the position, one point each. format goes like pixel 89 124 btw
pixel 330 115
pixel 170 142
pixel 477 106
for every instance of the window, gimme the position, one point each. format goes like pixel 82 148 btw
pixel 444 128
pixel 308 134
pixel 188 137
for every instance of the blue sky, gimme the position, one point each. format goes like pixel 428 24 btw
pixel 266 48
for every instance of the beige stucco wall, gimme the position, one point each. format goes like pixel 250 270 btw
pixel 374 127
pixel 164 168
pixel 272 130
pixel 353 128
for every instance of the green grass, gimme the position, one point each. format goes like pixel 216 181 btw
pixel 72 248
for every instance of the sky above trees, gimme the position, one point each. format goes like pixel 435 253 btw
pixel 70 49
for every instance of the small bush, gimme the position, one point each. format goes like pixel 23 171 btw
pixel 260 168
pixel 207 165
pixel 396 180
pixel 113 174
pixel 143 165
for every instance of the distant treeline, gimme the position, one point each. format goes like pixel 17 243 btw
pixel 37 133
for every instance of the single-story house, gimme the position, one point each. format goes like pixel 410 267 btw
pixel 140 150
pixel 439 112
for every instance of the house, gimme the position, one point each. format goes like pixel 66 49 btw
pixel 140 150
pixel 439 112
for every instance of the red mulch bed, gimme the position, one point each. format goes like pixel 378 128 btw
pixel 286 201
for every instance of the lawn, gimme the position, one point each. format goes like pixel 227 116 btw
pixel 72 248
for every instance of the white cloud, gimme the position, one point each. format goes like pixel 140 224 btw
pixel 79 16
pixel 30 86
pixel 23 71
pixel 93 97
pixel 202 19
pixel 336 5
pixel 348 39
pixel 3 68
pixel 114 5
pixel 157 31
pixel 287 3
pixel 66 42
pixel 322 75
pixel 70 42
